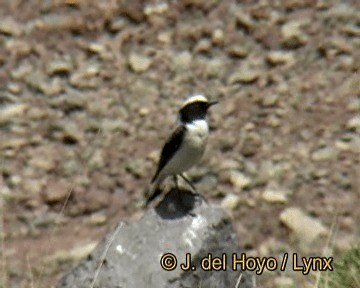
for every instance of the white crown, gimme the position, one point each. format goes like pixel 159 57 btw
pixel 195 98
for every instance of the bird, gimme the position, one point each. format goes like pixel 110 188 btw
pixel 185 146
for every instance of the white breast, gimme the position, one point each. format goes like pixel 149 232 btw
pixel 192 148
pixel 198 131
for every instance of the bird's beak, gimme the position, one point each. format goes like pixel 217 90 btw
pixel 211 103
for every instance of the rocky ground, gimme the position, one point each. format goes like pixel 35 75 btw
pixel 89 91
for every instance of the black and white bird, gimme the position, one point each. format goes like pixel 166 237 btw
pixel 186 145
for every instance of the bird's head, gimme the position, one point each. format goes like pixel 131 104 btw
pixel 195 108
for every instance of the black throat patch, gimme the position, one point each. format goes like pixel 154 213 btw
pixel 193 111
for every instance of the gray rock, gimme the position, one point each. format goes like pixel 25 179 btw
pixel 130 256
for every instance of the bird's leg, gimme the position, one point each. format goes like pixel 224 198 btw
pixel 193 187
pixel 188 182
pixel 176 182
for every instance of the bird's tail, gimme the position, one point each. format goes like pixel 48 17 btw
pixel 154 190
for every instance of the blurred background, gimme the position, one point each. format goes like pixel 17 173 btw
pixel 89 91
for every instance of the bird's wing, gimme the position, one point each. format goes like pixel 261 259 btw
pixel 170 148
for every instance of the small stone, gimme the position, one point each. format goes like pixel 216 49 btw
pixel 345 62
pixel 139 63
pixel 349 142
pixel 229 164
pixel 96 48
pixel 273 121
pixel 335 46
pixel 8 26
pixel 70 168
pixel 218 37
pixel 33 186
pixel 342 11
pixel 251 145
pixel 18 47
pixel 238 51
pixel 114 125
pixel 165 37
pixel 59 67
pixel 275 196
pixel 53 262
pixel 40 82
pixel 22 71
pixel 14 180
pixel 12 143
pixel 41 162
pixel 239 180
pixel 137 167
pixel 14 88
pixel 97 160
pixel 215 68
pixel 292 35
pixel 230 202
pixel 265 172
pixel 343 181
pixel 71 133
pixel 143 111
pixel 69 101
pixel 11 111
pixel 351 30
pixel 117 24
pixel 97 219
pixel 56 191
pixel 270 99
pixel 284 282
pixel 245 76
pixel 244 20
pixel 208 184
pixel 280 58
pixel 325 153
pixel 203 46
pixel 354 123
pixel 305 228
pixel 86 77
pixel 158 8
pixel 182 60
